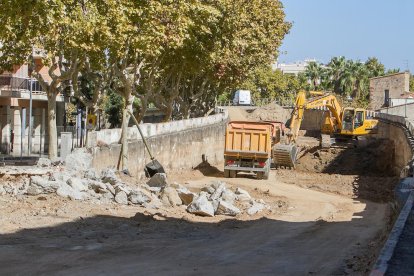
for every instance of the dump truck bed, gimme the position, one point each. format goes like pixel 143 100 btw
pixel 248 148
pixel 248 140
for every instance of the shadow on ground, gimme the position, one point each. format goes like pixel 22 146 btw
pixel 157 245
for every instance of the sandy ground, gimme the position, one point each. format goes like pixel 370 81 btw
pixel 307 231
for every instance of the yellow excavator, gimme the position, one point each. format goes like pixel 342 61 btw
pixel 338 124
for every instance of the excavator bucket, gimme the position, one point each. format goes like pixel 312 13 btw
pixel 285 155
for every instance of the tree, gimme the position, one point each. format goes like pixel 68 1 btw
pixel 314 72
pixel 335 70
pixel 411 83
pixel 62 31
pixel 374 67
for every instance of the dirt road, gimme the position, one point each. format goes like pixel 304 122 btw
pixel 307 232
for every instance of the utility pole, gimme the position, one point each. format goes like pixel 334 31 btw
pixel 31 107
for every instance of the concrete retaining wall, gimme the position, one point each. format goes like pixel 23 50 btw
pixel 178 144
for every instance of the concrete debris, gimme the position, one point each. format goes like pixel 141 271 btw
pixel 122 187
pixel 228 196
pixel 67 191
pixel 85 183
pixel 91 174
pixel 186 195
pixel 225 208
pixel 170 197
pixel 44 185
pixel 77 184
pixel 121 197
pixel 158 180
pixel 255 208
pixel 201 206
pixel 208 189
pixel 2 190
pixel 242 195
pixel 108 176
pixel 44 162
pixel 110 188
pixel 138 196
pixel 218 192
pixel 79 160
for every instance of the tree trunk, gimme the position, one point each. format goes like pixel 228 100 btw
pixel 51 109
pixel 168 112
pixel 125 121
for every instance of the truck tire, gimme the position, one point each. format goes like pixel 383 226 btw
pixel 226 173
pixel 233 174
pixel 260 175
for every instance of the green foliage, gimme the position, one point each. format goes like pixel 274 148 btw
pixel 348 78
pixel 411 83
pixel 113 105
pixel 267 83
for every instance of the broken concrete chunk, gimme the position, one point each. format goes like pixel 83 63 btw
pixel 201 206
pixel 218 192
pixel 121 198
pixel 170 197
pixel 208 189
pixel 225 208
pixel 77 184
pixel 228 196
pixel 122 187
pixel 139 196
pixel 45 185
pixel 158 180
pixel 108 176
pixel 79 160
pixel 216 183
pixel 67 191
pixel 110 188
pixel 44 162
pixel 255 208
pixel 91 174
pixel 242 195
pixel 186 195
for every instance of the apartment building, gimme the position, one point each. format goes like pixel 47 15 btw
pixel 15 89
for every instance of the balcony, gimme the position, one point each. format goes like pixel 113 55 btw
pixel 20 88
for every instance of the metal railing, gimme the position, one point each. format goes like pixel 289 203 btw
pixel 262 102
pixel 15 83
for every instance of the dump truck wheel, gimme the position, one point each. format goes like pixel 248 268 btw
pixel 260 175
pixel 226 173
pixel 233 174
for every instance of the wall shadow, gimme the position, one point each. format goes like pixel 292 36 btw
pixel 159 245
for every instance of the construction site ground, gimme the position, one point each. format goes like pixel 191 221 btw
pixel 327 217
pixel 319 224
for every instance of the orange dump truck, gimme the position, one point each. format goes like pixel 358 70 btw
pixel 248 147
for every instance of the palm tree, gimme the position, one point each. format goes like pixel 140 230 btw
pixel 374 67
pixel 348 78
pixel 335 70
pixel 314 72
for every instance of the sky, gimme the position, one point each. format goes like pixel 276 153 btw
pixel 356 29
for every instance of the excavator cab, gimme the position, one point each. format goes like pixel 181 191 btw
pixel 353 121
pixel 348 118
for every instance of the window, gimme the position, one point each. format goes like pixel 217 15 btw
pixel 386 97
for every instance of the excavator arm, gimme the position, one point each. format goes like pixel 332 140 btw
pixel 285 155
pixel 327 100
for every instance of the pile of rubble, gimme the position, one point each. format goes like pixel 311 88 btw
pixel 77 180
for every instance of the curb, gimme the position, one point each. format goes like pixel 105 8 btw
pixel 387 251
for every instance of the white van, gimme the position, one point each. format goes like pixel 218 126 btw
pixel 242 97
